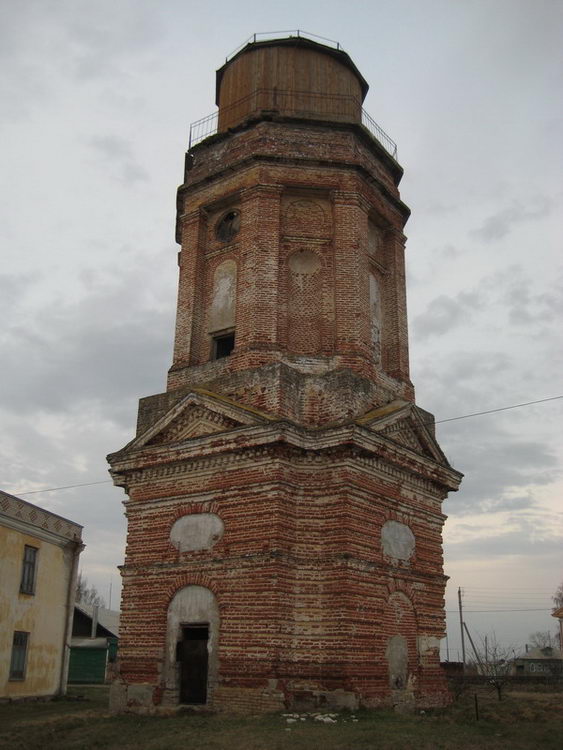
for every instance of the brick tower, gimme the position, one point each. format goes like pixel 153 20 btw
pixel 284 513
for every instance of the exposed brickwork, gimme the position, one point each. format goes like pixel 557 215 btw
pixel 304 441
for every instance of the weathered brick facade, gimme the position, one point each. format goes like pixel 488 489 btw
pixel 285 499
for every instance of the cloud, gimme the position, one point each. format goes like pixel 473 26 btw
pixel 117 152
pixel 45 47
pixel 445 313
pixel 110 346
pixel 526 308
pixel 499 225
pixel 498 466
pixel 13 290
pixel 522 541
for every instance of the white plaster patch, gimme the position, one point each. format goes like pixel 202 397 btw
pixel 397 540
pixel 222 310
pixel 196 531
pixel 427 643
pixel 304 262
pixel 398 661
pixel 375 316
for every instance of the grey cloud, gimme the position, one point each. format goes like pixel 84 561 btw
pixel 110 33
pixel 14 288
pixel 450 252
pixel 476 366
pixel 443 314
pixel 499 225
pixel 108 348
pixel 526 308
pixel 117 152
pixel 521 542
pixel 500 461
pixel 523 502
pixel 495 464
pixel 45 45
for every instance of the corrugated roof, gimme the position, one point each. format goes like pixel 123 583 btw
pixel 107 618
pixel 537 654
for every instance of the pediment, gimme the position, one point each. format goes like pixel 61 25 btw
pixel 198 414
pixel 195 421
pixel 406 425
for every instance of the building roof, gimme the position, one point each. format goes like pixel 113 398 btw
pixel 295 41
pixel 19 512
pixel 107 618
pixel 538 653
pixel 558 613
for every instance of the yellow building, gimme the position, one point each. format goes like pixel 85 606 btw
pixel 39 554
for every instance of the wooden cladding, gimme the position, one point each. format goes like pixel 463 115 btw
pixel 292 81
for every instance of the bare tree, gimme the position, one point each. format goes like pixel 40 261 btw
pixel 494 661
pixel 541 639
pixel 87 594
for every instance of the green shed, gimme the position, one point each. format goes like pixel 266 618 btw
pixel 88 661
pixel 93 646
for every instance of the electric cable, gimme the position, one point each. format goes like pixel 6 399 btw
pixel 438 421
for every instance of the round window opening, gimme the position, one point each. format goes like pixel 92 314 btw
pixel 228 226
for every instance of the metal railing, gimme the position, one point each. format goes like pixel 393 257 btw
pixel 379 134
pixel 331 107
pixel 261 36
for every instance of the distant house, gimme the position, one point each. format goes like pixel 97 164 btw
pixel 39 554
pixel 93 652
pixel 545 662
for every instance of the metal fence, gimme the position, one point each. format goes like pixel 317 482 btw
pixel 330 107
pixel 262 36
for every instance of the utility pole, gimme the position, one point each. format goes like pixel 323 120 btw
pixel 461 627
pixel 477 657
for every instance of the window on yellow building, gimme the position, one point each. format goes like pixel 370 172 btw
pixel 19 655
pixel 27 585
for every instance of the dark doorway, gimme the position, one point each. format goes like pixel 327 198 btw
pixel 193 657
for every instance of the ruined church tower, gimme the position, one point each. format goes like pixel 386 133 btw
pixel 284 543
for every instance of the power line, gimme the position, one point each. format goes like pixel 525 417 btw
pixel 542 609
pixel 503 588
pixel 438 421
pixel 66 487
pixel 502 408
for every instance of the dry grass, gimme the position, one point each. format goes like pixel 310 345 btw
pixel 521 720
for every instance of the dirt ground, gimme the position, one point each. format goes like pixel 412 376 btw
pixel 82 722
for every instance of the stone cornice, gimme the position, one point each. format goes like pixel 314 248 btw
pixel 35 531
pixel 222 449
pixel 257 158
pixel 36 521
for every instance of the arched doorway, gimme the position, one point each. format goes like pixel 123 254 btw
pixel 191 645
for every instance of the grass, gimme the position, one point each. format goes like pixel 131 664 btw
pixel 521 720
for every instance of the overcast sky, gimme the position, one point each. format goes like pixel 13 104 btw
pixel 95 103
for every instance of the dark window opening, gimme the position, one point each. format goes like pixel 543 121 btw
pixel 223 345
pixel 192 655
pixel 19 655
pixel 228 226
pixel 27 584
